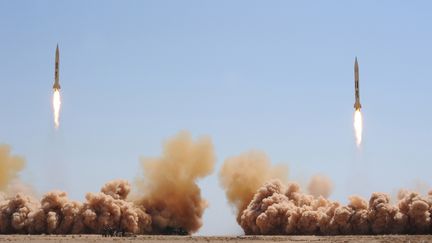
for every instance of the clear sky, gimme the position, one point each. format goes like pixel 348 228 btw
pixel 270 75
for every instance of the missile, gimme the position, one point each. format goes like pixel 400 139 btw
pixel 56 85
pixel 357 105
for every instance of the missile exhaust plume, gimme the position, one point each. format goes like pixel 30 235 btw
pixel 280 208
pixel 166 200
pixel 358 126
pixel 56 107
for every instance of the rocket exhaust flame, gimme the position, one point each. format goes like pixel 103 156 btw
pixel 56 107
pixel 358 126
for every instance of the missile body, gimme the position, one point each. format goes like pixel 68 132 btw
pixel 357 105
pixel 56 85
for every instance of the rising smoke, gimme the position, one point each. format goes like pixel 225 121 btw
pixel 277 207
pixel 167 198
pixel 242 175
pixel 170 193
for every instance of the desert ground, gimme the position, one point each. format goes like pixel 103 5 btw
pixel 198 239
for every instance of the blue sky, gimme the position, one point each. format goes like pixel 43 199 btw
pixel 270 75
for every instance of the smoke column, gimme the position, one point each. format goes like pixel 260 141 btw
pixel 167 199
pixel 280 208
pixel 171 194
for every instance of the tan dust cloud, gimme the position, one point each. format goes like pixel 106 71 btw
pixel 242 175
pixel 268 205
pixel 283 209
pixel 169 185
pixel 280 208
pixel 56 214
pixel 320 185
pixel 169 199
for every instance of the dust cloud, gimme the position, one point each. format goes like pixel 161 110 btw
pixel 242 175
pixel 269 205
pixel 167 199
pixel 169 190
pixel 320 185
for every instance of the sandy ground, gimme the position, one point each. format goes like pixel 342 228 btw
pixel 198 239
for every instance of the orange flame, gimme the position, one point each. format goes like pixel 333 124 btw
pixel 358 126
pixel 56 107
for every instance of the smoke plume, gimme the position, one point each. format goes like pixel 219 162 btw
pixel 280 208
pixel 242 175
pixel 171 194
pixel 167 200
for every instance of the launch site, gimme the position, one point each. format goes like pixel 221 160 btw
pixel 215 121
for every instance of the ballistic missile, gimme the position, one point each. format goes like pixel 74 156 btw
pixel 56 85
pixel 357 105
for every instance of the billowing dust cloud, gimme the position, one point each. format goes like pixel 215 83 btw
pixel 171 195
pixel 278 207
pixel 242 175
pixel 169 200
pixel 56 214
